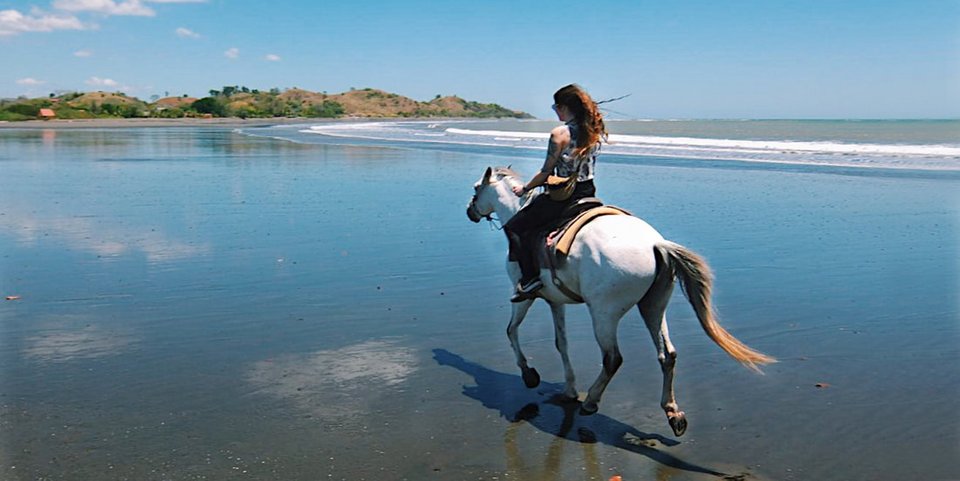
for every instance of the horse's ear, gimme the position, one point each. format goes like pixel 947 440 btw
pixel 487 175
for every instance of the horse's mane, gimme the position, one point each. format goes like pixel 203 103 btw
pixel 505 172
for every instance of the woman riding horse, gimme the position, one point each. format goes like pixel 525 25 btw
pixel 614 263
pixel 572 150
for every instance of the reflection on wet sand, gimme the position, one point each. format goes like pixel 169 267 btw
pixel 328 383
pixel 552 466
pixel 97 235
pixel 550 414
pixel 49 136
pixel 67 344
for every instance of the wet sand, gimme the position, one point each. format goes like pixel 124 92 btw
pixel 199 304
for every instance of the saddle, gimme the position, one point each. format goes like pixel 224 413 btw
pixel 557 241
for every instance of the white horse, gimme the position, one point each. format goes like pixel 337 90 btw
pixel 616 262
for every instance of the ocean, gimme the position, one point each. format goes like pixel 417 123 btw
pixel 877 144
pixel 311 302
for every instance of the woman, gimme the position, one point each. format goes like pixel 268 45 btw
pixel 572 150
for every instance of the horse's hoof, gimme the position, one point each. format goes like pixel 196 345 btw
pixel 589 408
pixel 678 422
pixel 531 378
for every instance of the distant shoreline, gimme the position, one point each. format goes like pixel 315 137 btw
pixel 236 122
pixel 224 122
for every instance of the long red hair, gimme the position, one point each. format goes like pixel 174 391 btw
pixel 586 116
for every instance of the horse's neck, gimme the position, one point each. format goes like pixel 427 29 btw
pixel 507 202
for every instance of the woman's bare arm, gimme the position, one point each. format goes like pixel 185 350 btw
pixel 559 138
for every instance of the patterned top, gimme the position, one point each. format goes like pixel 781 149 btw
pixel 568 161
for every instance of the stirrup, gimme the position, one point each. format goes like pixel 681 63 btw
pixel 527 291
pixel 520 297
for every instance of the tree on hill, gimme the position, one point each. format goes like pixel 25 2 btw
pixel 25 109
pixel 326 109
pixel 119 110
pixel 210 105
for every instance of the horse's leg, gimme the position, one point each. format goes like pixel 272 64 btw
pixel 560 330
pixel 653 308
pixel 605 321
pixel 530 375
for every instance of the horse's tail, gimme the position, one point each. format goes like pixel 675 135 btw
pixel 696 281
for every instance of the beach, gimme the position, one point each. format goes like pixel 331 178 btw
pixel 229 301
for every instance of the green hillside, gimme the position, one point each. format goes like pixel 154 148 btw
pixel 242 102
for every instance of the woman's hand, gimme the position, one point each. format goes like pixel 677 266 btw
pixel 519 190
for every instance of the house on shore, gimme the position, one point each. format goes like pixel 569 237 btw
pixel 47 114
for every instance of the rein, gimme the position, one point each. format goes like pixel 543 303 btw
pixel 494 223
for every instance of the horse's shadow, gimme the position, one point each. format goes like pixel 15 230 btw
pixel 554 415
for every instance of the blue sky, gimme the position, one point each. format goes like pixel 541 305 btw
pixel 716 59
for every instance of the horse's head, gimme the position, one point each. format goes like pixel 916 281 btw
pixel 481 205
pixel 491 192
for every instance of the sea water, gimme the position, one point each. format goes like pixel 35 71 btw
pixel 901 144
pixel 291 303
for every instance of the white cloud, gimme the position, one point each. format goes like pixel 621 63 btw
pixel 272 57
pixel 12 22
pixel 232 53
pixel 187 33
pixel 102 82
pixel 105 82
pixel 30 81
pixel 82 53
pixel 106 7
pixel 15 22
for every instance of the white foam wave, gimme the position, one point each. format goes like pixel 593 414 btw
pixel 739 145
pixel 787 145
pixel 893 155
pixel 501 133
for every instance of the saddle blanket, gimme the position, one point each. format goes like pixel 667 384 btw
pixel 562 238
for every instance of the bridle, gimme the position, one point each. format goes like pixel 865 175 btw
pixel 474 214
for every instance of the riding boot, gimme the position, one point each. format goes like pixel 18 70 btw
pixel 527 257
pixel 530 281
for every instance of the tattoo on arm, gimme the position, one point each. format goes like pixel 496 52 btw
pixel 551 150
pixel 553 153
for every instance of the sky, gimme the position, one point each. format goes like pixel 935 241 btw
pixel 676 59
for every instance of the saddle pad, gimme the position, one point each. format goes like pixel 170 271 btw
pixel 570 230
